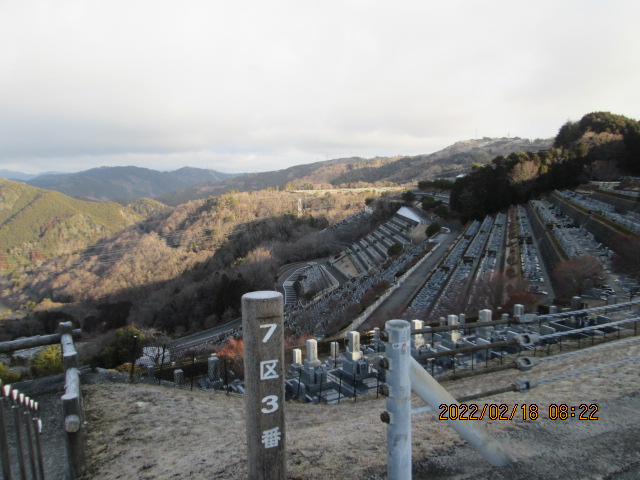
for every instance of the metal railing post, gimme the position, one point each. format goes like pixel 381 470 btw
pixel 19 445
pixel 434 394
pixel 133 358
pixel 5 392
pixel 37 429
pixel 26 414
pixel 164 349
pixel 398 413
pixel 193 366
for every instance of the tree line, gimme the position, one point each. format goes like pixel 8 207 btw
pixel 601 146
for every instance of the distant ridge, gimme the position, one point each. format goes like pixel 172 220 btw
pixel 125 183
pixel 172 188
pixel 16 176
pixel 455 159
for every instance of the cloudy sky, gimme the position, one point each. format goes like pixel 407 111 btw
pixel 249 85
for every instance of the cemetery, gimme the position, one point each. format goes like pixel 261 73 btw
pixel 371 251
pixel 477 254
pixel 452 345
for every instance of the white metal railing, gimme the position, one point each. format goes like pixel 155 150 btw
pixel 27 428
pixel 405 374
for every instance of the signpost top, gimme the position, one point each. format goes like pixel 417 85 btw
pixel 262 295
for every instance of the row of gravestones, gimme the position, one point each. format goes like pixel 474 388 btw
pixel 356 372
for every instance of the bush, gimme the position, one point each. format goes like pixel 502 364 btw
pixel 395 249
pixel 433 229
pixel 47 361
pixel 441 211
pixel 126 368
pixel 8 377
pixel 408 196
pixel 120 350
pixel 232 356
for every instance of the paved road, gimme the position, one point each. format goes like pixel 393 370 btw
pixel 400 298
pixel 201 337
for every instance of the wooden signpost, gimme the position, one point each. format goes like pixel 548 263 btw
pixel 263 333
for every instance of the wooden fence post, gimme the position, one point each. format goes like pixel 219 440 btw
pixel 263 332
pixel 72 409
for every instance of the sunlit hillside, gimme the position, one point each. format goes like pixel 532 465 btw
pixel 37 224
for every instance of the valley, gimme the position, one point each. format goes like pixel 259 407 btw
pixel 182 269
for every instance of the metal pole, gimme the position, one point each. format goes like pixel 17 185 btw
pixel 5 392
pixel 434 394
pixel 226 376
pixel 16 417
pixel 26 414
pixel 355 392
pixel 398 413
pixel 193 363
pixel 37 427
pixel 263 331
pixel 164 348
pixel 133 358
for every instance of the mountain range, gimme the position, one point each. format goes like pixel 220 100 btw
pixel 449 162
pixel 123 184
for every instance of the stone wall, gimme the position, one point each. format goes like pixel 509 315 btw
pixel 624 205
pixel 602 232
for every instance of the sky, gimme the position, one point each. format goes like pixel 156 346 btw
pixel 244 85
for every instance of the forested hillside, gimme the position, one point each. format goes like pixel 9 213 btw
pixel 601 146
pixel 36 224
pixel 449 162
pixel 317 173
pixel 187 268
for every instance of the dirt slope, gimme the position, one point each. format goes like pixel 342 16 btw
pixel 150 432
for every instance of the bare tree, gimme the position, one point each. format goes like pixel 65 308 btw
pixel 627 257
pixel 529 300
pixel 574 277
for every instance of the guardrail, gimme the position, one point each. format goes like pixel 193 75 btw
pixel 405 374
pixel 71 403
